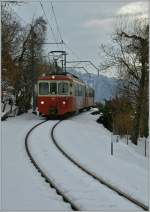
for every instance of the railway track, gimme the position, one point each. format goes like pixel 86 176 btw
pixel 99 179
pixel 93 175
pixel 47 179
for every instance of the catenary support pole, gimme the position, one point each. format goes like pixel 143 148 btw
pixel 111 145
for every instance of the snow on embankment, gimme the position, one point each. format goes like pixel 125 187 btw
pixel 23 188
pixel 90 144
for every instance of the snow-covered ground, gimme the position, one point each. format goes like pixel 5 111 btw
pixel 23 188
pixel 6 108
pixel 85 140
pixel 83 190
pixel 90 143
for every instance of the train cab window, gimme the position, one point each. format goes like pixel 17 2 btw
pixel 53 88
pixel 43 88
pixel 63 88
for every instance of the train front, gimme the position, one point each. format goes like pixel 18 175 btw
pixel 53 96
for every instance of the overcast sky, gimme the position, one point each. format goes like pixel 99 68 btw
pixel 84 25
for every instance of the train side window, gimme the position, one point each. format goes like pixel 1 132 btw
pixel 43 88
pixel 78 86
pixel 63 88
pixel 87 92
pixel 76 89
pixel 53 88
pixel 92 93
pixel 83 90
pixel 71 88
pixel 80 90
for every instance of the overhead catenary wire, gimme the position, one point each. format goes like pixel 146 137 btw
pixel 62 43
pixel 53 34
pixel 59 32
pixel 74 54
pixel 57 25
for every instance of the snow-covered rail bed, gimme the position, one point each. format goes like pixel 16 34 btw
pixel 22 187
pixel 88 144
pixel 80 188
pixel 43 174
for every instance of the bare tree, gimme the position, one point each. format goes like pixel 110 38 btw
pixel 11 41
pixel 30 54
pixel 21 50
pixel 129 53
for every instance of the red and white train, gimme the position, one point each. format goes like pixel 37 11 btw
pixel 62 94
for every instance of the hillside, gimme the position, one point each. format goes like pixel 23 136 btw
pixel 104 86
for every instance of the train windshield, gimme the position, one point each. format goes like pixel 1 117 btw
pixel 53 88
pixel 63 88
pixel 43 88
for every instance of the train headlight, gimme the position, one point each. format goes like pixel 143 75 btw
pixel 42 102
pixel 53 77
pixel 63 102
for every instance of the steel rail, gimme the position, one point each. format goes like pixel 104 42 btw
pixel 47 179
pixel 99 179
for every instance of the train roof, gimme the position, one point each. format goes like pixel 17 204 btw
pixel 60 76
pixel 64 76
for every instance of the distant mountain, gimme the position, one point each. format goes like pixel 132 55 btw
pixel 104 87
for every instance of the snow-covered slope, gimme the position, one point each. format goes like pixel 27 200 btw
pixel 89 143
pixel 105 87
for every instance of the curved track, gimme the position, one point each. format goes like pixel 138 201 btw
pixel 99 179
pixel 53 185
pixel 47 179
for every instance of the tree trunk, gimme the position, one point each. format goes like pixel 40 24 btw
pixel 136 124
pixel 140 98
